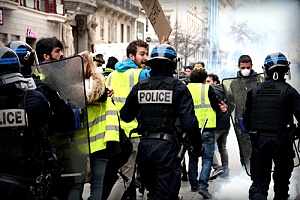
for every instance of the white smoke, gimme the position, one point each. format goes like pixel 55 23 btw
pixel 268 26
pixel 237 186
pixel 275 26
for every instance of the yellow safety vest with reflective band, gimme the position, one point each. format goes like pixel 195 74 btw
pixel 103 124
pixel 122 83
pixel 202 105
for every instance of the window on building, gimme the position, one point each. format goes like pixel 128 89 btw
pixel 122 33
pixel 30 3
pixel 51 6
pixel 168 17
pixel 42 5
pixel 48 6
pixel 15 37
pixel 147 24
pixel 108 31
pixel 60 7
pixel 3 39
pixel 140 30
pixel 115 31
pixel 128 34
pixel 102 27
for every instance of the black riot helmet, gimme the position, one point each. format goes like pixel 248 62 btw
pixel 26 55
pixel 163 58
pixel 9 61
pixel 276 62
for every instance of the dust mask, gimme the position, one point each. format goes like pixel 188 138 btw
pixel 245 72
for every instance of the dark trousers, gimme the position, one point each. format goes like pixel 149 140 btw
pixel 159 168
pixel 266 149
pixel 110 177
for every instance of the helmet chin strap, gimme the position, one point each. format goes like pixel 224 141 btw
pixel 289 74
pixel 36 61
pixel 275 76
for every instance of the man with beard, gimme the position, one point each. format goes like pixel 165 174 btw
pixel 49 49
pixel 221 131
pixel 124 77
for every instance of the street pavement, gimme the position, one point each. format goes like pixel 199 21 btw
pixel 236 186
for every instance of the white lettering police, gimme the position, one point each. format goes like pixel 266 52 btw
pixel 12 118
pixel 155 96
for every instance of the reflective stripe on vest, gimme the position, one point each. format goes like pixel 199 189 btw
pixel 122 83
pixel 103 124
pixel 202 105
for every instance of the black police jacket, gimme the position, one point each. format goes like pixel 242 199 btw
pixel 36 105
pixel 182 108
pixel 291 100
pixel 19 135
pixel 62 118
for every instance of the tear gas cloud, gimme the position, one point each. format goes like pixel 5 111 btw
pixel 264 27
pixel 258 28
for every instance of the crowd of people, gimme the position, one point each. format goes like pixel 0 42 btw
pixel 129 122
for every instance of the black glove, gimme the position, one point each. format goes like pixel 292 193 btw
pixel 198 151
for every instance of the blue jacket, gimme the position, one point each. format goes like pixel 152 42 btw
pixel 128 64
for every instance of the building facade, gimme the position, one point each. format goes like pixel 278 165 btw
pixel 29 20
pixel 118 21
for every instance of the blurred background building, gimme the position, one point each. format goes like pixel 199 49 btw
pixel 216 32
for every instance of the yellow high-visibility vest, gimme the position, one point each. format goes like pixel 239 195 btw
pixel 103 124
pixel 202 105
pixel 122 83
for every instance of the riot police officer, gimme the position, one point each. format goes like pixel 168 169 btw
pixel 24 115
pixel 63 118
pixel 270 107
pixel 157 102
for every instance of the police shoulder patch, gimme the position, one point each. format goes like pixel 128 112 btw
pixel 155 96
pixel 12 118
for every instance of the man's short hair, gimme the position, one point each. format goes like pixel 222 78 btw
pixel 111 62
pixel 244 59
pixel 45 46
pixel 201 63
pixel 188 67
pixel 198 76
pixel 214 77
pixel 132 47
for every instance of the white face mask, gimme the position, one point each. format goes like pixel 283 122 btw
pixel 245 72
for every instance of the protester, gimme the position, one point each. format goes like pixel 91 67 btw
pixel 188 70
pixel 221 131
pixel 206 104
pixel 236 91
pixel 124 77
pixel 103 129
pixel 49 49
pixel 199 65
pixel 110 66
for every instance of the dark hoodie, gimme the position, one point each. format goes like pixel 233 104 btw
pixel 223 119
